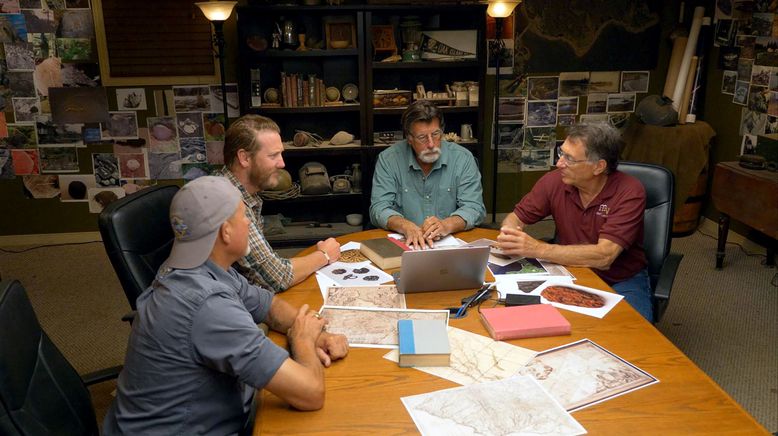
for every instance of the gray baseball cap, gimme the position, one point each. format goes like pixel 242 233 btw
pixel 196 213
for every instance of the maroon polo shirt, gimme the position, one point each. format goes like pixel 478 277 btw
pixel 615 214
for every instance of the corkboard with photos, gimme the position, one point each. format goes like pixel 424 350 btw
pixel 49 44
pixel 747 36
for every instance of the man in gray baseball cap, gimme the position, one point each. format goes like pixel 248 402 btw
pixel 195 355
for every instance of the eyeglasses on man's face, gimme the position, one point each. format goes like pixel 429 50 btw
pixel 569 159
pixel 426 138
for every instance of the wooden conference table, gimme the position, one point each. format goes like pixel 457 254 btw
pixel 364 389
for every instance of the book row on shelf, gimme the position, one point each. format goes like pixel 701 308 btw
pixel 300 90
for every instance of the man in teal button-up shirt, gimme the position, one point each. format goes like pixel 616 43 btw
pixel 424 187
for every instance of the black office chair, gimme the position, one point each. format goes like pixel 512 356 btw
pixel 137 237
pixel 40 392
pixel 658 224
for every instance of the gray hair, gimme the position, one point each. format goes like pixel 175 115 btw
pixel 242 134
pixel 601 141
pixel 421 110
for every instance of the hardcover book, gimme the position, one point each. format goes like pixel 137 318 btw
pixel 516 322
pixel 423 342
pixel 384 253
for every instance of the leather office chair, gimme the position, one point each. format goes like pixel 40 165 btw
pixel 137 237
pixel 657 223
pixel 40 392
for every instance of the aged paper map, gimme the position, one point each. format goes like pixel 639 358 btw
pixel 373 327
pixel 476 359
pixel 514 406
pixel 365 296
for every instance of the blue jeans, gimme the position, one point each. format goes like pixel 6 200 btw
pixel 637 292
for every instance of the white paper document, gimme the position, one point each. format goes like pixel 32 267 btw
pixel 365 296
pixel 476 359
pixel 513 406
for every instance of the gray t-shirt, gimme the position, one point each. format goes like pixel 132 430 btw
pixel 195 355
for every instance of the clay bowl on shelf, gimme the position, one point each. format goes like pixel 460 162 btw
pixel 338 44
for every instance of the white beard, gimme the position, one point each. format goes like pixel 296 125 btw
pixel 430 156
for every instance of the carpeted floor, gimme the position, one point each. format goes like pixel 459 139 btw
pixel 725 321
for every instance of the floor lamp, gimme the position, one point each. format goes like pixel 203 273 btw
pixel 498 10
pixel 217 12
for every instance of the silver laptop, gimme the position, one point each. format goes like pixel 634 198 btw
pixel 442 269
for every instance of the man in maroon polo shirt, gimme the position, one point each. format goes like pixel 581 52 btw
pixel 598 213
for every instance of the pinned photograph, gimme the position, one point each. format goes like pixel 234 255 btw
pixel 81 75
pixel 566 120
pixel 74 49
pixel 30 4
pixel 771 126
pixel 760 75
pixel 214 152
pixel 233 107
pixel 213 123
pixel 618 119
pixel 25 109
pixel 193 170
pixel 567 106
pixel 190 125
pixel 596 103
pixel 99 198
pixel 634 81
pixel 192 150
pixel 6 164
pixel 106 169
pixel 77 24
pixel 535 160
pixel 764 49
pixel 163 137
pixel 133 166
pixel 741 92
pixel 192 98
pixel 542 88
pixel 622 102
pixel 539 138
pixel 165 166
pixel 76 187
pixel 747 44
pixel 41 186
pixel 757 98
pixel 728 58
pixel 54 5
pixel 19 56
pixel 14 28
pixel 26 162
pixel 59 159
pixel 21 83
pixel 50 134
pixel 121 125
pixel 20 136
pixel 541 113
pixel 573 84
pixel 508 160
pixel 40 21
pixel 594 118
pixel 604 81
pixel 133 99
pixel 511 110
pixel 510 135
pixel 506 56
pixel 748 145
pixel 728 82
pixel 44 47
pixel 772 104
pixel 751 122
pixel 9 7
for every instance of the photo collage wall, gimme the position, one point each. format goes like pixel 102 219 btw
pixel 746 33
pixel 534 112
pixel 50 44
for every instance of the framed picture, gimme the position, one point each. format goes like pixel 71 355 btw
pixel 340 35
pixel 383 39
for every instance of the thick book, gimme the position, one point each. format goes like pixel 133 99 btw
pixel 532 321
pixel 423 342
pixel 384 253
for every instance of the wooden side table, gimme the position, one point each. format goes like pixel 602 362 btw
pixel 749 196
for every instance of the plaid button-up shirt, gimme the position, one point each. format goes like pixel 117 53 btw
pixel 262 267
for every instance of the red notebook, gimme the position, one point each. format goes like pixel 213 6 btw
pixel 530 321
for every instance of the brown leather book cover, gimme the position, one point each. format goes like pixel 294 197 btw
pixel 382 252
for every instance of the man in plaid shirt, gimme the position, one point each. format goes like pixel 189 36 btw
pixel 252 158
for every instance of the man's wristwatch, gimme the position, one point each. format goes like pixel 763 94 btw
pixel 326 256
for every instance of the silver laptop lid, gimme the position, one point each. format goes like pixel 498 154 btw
pixel 442 269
